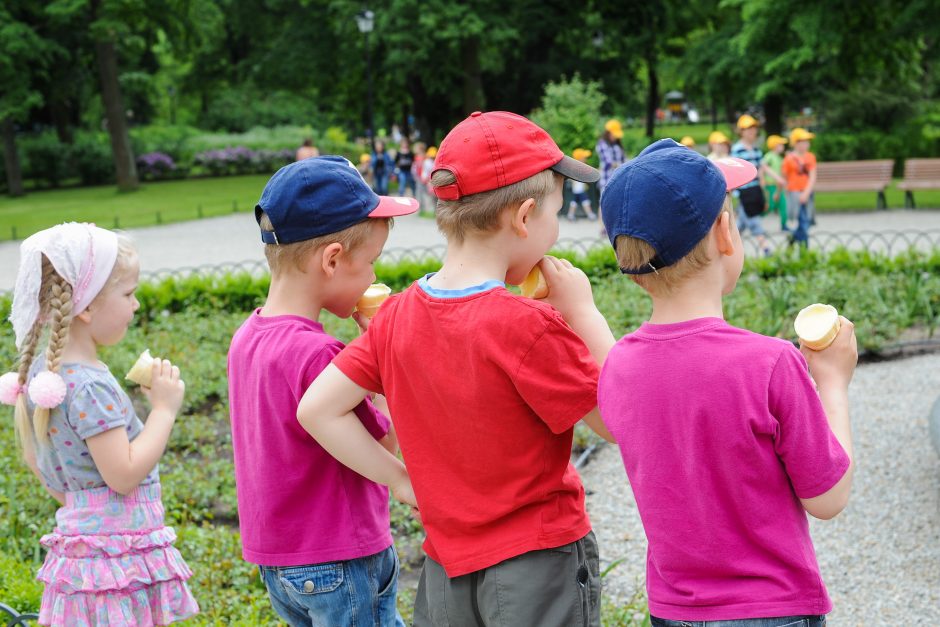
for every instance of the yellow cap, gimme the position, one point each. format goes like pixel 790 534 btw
pixel 580 153
pixel 431 152
pixel 799 134
pixel 613 126
pixel 687 141
pixel 747 121
pixel 775 140
pixel 717 137
pixel 365 158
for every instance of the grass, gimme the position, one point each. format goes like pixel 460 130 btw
pixel 153 203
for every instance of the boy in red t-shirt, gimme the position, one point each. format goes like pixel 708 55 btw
pixel 799 169
pixel 486 387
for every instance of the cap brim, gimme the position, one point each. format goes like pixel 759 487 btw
pixel 736 171
pixel 394 206
pixel 577 170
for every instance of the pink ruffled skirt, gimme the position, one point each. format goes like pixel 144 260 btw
pixel 111 561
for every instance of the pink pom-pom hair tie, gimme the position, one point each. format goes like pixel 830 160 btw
pixel 47 389
pixel 10 388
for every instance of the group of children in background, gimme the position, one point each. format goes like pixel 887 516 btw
pixel 412 170
pixel 785 183
pixel 727 440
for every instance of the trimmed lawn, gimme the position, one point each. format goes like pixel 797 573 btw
pixel 177 201
pixel 153 203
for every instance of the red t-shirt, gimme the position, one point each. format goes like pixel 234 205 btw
pixel 484 391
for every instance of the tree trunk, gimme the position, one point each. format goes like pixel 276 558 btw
pixel 59 112
pixel 652 100
pixel 773 112
pixel 124 166
pixel 11 160
pixel 472 81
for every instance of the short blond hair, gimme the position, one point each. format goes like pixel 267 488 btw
pixel 633 252
pixel 481 212
pixel 281 256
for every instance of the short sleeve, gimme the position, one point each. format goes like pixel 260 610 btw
pixel 810 162
pixel 787 166
pixel 375 422
pixel 97 407
pixel 557 377
pixel 358 361
pixel 813 458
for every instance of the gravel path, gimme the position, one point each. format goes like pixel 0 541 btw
pixel 880 558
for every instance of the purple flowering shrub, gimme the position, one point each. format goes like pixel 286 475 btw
pixel 155 165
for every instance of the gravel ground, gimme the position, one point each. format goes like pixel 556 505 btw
pixel 880 558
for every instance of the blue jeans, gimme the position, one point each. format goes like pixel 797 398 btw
pixel 801 234
pixel 748 223
pixel 380 184
pixel 783 621
pixel 405 180
pixel 355 593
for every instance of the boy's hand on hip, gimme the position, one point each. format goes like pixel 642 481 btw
pixel 834 366
pixel 402 491
pixel 569 290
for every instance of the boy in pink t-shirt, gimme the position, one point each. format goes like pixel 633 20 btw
pixel 318 530
pixel 724 438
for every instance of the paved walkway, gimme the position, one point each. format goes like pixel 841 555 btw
pixel 234 238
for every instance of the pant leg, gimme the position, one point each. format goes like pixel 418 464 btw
pixel 801 234
pixel 442 601
pixel 557 587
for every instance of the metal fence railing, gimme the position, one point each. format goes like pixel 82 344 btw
pixel 883 242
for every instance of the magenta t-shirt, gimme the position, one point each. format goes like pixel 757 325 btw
pixel 297 505
pixel 721 432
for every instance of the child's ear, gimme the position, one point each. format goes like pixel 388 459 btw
pixel 85 316
pixel 329 258
pixel 520 216
pixel 723 238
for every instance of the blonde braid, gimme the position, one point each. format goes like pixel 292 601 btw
pixel 22 424
pixel 60 320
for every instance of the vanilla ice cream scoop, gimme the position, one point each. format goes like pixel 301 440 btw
pixel 817 326
pixel 534 285
pixel 141 372
pixel 372 299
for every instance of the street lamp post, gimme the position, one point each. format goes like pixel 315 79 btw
pixel 365 20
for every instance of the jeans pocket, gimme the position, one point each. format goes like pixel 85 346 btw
pixel 390 586
pixel 306 580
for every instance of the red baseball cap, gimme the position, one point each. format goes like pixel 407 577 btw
pixel 498 148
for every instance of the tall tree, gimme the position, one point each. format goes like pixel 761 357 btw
pixel 23 54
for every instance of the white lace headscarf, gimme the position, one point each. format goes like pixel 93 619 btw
pixel 82 254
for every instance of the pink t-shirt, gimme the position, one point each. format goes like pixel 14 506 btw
pixel 297 505
pixel 721 432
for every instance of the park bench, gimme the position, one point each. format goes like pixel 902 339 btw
pixel 855 176
pixel 919 174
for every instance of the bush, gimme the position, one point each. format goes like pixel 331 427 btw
pixel 571 113
pixel 92 158
pixel 174 141
pixel 45 158
pixel 155 165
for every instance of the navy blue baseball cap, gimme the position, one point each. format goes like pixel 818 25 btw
pixel 669 196
pixel 322 195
